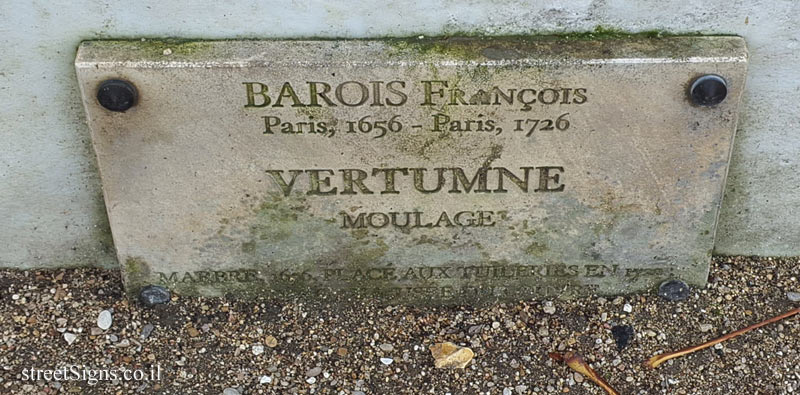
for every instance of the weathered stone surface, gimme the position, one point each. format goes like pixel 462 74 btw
pixel 421 171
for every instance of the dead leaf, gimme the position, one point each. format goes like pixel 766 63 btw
pixel 449 355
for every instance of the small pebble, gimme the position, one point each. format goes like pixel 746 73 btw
pixel 265 380
pixel 622 335
pixel 311 380
pixel 314 372
pixel 146 331
pixel 257 349
pixel 506 391
pixel 549 308
pixel 386 347
pixel 627 308
pixel 271 341
pixel 387 361
pixel 231 391
pixel 706 327
pixel 69 337
pixel 543 332
pixel 793 296
pixel 104 320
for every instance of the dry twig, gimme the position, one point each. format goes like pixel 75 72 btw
pixel 654 361
pixel 577 364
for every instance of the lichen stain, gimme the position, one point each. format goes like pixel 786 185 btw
pixel 137 274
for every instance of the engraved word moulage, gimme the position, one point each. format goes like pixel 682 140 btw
pixel 418 171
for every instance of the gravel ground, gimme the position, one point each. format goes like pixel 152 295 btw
pixel 207 346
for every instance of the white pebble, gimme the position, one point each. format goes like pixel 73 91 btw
pixel 265 380
pixel 627 308
pixel 104 320
pixel 123 343
pixel 387 361
pixel 506 391
pixel 793 296
pixel 311 380
pixel 69 337
pixel 258 349
pixel 706 327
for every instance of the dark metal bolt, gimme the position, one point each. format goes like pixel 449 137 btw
pixel 674 290
pixel 117 95
pixel 152 295
pixel 708 90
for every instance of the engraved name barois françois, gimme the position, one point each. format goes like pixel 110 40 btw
pixel 435 94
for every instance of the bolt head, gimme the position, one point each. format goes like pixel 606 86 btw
pixel 152 295
pixel 708 90
pixel 117 95
pixel 674 290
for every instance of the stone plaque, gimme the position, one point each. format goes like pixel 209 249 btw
pixel 418 171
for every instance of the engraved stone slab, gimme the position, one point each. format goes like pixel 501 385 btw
pixel 420 171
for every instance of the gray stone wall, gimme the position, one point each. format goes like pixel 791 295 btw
pixel 50 195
